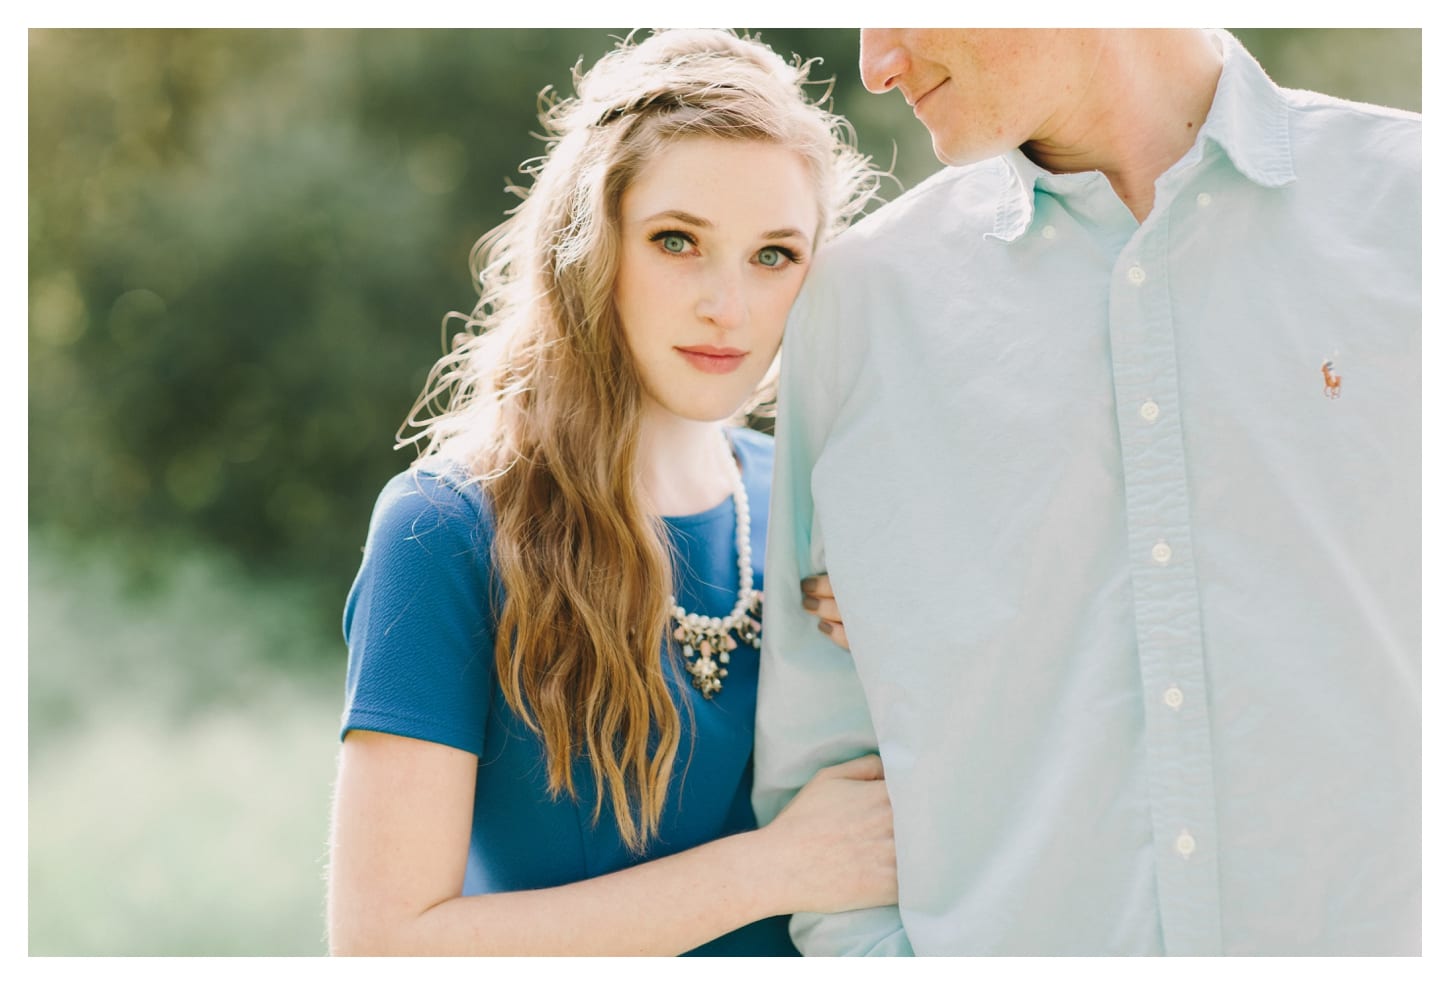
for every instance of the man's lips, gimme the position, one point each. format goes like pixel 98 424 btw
pixel 916 103
pixel 711 358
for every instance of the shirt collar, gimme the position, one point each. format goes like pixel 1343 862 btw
pixel 1249 120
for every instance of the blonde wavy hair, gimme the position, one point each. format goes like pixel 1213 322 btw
pixel 538 399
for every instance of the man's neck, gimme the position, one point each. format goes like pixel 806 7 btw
pixel 1144 101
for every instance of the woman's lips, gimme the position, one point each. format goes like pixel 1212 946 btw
pixel 712 359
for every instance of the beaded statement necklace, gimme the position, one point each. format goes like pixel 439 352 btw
pixel 706 641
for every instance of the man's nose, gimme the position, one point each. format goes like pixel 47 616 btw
pixel 883 58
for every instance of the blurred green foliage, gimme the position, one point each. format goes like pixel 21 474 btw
pixel 242 244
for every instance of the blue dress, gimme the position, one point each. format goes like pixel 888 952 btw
pixel 420 634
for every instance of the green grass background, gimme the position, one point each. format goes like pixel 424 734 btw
pixel 176 813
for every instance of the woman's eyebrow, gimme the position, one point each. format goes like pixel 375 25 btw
pixel 688 219
pixel 679 216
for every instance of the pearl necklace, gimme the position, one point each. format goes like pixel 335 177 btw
pixel 706 641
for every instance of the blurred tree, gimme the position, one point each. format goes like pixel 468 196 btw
pixel 242 244
pixel 1369 66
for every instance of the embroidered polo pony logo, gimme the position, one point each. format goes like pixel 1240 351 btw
pixel 1331 380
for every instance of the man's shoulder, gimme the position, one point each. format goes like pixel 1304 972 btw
pixel 941 204
pixel 1375 134
pixel 1308 101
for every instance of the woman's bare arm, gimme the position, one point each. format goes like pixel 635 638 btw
pixel 402 816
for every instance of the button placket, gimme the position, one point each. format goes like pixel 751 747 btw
pixel 1165 593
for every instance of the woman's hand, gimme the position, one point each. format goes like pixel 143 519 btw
pixel 819 600
pixel 835 842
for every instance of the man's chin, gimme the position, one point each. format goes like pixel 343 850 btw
pixel 953 154
pixel 954 157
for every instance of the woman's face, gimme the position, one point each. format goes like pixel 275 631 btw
pixel 715 241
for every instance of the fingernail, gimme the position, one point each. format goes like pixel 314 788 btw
pixel 811 603
pixel 824 627
pixel 808 584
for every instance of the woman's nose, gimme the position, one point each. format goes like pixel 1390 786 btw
pixel 723 300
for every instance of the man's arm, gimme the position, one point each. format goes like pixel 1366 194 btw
pixel 812 711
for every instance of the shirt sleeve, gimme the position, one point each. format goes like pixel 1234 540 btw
pixel 811 712
pixel 418 621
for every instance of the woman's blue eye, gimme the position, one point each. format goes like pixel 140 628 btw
pixel 772 256
pixel 674 243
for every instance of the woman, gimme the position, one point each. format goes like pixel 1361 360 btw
pixel 545 751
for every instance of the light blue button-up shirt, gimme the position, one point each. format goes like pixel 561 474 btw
pixel 1124 523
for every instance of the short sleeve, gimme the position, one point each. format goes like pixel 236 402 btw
pixel 418 622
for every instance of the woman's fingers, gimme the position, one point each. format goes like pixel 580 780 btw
pixel 867 767
pixel 822 607
pixel 836 631
pixel 818 598
pixel 818 586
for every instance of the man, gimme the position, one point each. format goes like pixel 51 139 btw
pixel 1109 440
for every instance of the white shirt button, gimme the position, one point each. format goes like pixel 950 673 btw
pixel 1203 199
pixel 1049 232
pixel 1149 411
pixel 1162 553
pixel 1173 698
pixel 1185 844
pixel 1137 275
